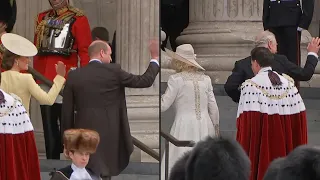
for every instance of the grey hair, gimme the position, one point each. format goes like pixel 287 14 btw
pixel 263 39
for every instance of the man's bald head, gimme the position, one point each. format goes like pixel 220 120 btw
pixel 99 50
pixel 266 39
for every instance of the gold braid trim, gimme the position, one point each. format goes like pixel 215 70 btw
pixel 265 92
pixel 41 26
pixel 77 11
pixel 288 78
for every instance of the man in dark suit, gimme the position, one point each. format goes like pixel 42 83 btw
pixel 242 68
pixel 286 19
pixel 97 93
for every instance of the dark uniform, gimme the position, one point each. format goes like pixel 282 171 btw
pixel 61 35
pixel 285 18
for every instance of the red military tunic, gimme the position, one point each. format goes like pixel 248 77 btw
pixel 81 32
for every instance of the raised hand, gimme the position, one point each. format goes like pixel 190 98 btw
pixel 61 68
pixel 154 48
pixel 314 45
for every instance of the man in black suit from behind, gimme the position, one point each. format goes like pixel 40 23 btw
pixel 242 68
pixel 97 93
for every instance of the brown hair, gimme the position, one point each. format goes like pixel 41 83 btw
pixel 80 140
pixel 264 57
pixel 8 60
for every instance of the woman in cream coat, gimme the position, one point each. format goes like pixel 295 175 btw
pixel 191 93
pixel 16 59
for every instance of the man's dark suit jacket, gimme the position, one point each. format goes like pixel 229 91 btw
pixel 242 71
pixel 97 93
pixel 287 13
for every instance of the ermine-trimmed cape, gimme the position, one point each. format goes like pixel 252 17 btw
pixel 271 120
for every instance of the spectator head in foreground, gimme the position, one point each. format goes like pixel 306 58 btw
pixel 303 163
pixel 213 159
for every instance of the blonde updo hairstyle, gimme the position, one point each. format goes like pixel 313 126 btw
pixel 179 66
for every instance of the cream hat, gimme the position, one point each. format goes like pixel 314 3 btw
pixel 185 53
pixel 18 45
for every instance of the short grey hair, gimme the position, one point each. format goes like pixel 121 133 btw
pixel 263 39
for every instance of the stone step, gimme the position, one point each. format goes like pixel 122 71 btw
pixel 134 171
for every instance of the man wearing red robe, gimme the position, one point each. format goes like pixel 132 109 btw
pixel 271 117
pixel 61 34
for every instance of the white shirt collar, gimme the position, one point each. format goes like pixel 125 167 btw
pixel 96 60
pixel 79 173
pixel 264 69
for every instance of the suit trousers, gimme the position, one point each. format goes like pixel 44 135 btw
pixel 51 115
pixel 288 39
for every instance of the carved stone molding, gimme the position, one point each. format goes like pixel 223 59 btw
pixel 223 31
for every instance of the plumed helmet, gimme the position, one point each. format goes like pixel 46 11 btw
pixel 8 13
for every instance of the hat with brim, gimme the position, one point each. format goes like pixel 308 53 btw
pixel 184 53
pixel 18 45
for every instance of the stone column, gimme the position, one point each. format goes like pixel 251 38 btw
pixel 137 23
pixel 223 31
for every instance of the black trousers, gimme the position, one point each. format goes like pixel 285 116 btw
pixel 289 39
pixel 51 116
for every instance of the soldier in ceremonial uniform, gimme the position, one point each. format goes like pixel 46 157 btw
pixel 61 34
pixel 286 19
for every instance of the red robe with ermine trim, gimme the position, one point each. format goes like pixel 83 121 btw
pixel 271 121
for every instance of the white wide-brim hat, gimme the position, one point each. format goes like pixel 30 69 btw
pixel 18 45
pixel 184 53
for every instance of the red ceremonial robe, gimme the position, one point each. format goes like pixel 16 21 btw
pixel 18 151
pixel 271 120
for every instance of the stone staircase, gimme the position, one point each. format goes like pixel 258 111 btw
pixel 134 171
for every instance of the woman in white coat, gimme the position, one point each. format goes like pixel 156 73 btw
pixel 190 92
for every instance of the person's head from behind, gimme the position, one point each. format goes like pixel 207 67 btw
pixel 100 33
pixel 100 50
pixel 16 56
pixel 268 40
pixel 11 61
pixel 179 66
pixel 213 159
pixel 260 57
pixel 79 144
pixel 184 59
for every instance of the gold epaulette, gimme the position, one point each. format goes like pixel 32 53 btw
pixel 77 11
pixel 288 78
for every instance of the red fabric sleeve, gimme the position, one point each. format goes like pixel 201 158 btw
pixel 83 38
